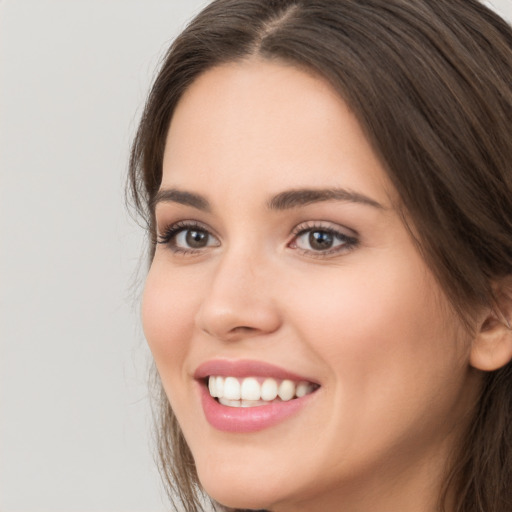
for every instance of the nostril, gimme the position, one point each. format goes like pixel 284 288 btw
pixel 243 329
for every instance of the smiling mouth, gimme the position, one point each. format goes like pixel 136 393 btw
pixel 256 391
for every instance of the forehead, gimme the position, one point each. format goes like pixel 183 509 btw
pixel 270 123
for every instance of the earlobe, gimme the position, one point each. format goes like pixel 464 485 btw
pixel 492 346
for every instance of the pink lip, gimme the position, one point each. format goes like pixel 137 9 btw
pixel 246 419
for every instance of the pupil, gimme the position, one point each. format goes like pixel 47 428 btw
pixel 320 240
pixel 196 239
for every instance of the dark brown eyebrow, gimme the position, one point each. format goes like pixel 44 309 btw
pixel 282 201
pixel 173 195
pixel 305 196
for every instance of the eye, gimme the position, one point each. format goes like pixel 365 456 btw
pixel 185 237
pixel 321 240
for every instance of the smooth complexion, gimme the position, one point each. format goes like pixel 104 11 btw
pixel 239 276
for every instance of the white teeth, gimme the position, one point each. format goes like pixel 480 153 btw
pixel 231 388
pixel 303 388
pixel 252 403
pixel 286 390
pixel 269 389
pixel 219 386
pixel 241 403
pixel 248 392
pixel 212 387
pixel 250 389
pixel 230 403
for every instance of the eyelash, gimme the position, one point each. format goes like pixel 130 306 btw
pixel 348 243
pixel 168 236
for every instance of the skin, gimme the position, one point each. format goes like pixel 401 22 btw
pixel 368 322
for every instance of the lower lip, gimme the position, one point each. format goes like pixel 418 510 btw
pixel 248 419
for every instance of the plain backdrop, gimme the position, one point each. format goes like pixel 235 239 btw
pixel 75 422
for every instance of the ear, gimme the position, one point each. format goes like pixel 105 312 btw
pixel 492 346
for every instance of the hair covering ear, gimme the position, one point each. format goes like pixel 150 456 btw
pixel 492 346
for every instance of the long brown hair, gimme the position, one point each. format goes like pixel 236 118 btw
pixel 430 82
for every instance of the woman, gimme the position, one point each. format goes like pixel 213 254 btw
pixel 328 189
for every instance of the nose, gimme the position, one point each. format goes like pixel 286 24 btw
pixel 239 301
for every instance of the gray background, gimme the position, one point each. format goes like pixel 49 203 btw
pixel 74 414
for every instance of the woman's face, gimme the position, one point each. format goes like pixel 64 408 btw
pixel 283 266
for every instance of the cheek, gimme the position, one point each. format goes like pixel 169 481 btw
pixel 393 360
pixel 167 319
pixel 364 304
pixel 386 331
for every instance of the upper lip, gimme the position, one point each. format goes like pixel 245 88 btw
pixel 246 368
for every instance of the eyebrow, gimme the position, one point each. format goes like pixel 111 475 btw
pixel 302 197
pixel 283 201
pixel 173 195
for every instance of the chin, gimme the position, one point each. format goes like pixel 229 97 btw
pixel 234 499
pixel 247 492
